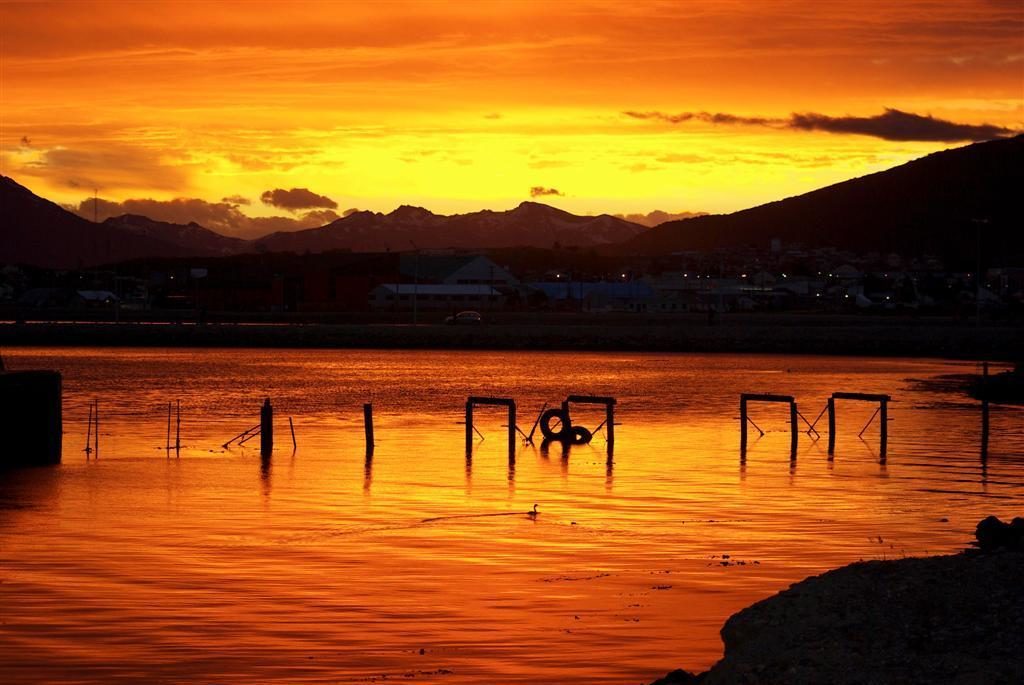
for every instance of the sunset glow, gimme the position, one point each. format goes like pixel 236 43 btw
pixel 459 107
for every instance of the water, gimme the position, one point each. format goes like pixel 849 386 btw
pixel 422 565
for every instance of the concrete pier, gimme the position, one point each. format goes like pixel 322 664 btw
pixel 31 420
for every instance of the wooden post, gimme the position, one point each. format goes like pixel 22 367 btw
pixel 266 429
pixel 743 426
pixel 368 428
pixel 177 429
pixel 512 430
pixel 469 426
pixel 291 426
pixel 167 440
pixel 794 431
pixel 984 410
pixel 88 434
pixel 884 417
pixel 609 424
pixel 831 426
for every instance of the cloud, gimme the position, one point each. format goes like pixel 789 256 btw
pixel 296 199
pixel 26 141
pixel 541 191
pixel 896 125
pixel 320 217
pixel 708 117
pixel 236 200
pixel 892 124
pixel 350 211
pixel 223 217
pixel 658 217
pixel 112 166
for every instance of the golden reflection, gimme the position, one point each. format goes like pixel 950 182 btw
pixel 459 568
pixel 368 472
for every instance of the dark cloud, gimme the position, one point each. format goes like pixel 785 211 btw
pixel 320 217
pixel 223 217
pixel 114 166
pixel 708 117
pixel 658 217
pixel 896 125
pixel 296 199
pixel 541 191
pixel 236 200
pixel 892 124
pixel 350 211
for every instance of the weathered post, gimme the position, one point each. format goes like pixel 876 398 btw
pixel 266 428
pixel 743 426
pixel 884 417
pixel 984 410
pixel 831 426
pixel 167 440
pixel 88 434
pixel 794 432
pixel 609 423
pixel 512 430
pixel 469 426
pixel 368 428
pixel 177 429
pixel 291 427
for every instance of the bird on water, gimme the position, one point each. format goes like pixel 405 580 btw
pixel 533 514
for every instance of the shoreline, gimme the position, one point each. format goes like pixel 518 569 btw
pixel 945 619
pixel 783 336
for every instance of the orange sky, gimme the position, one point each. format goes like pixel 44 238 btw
pixel 461 106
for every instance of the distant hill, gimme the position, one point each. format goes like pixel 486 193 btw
pixel 38 232
pixel 531 224
pixel 191 236
pixel 923 206
pixel 926 206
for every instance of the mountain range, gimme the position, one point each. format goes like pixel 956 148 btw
pixel 943 204
pixel 41 233
pixel 531 224
pixel 946 204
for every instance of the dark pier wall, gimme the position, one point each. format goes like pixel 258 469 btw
pixel 31 424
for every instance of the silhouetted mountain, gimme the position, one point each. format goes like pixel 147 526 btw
pixel 198 240
pixel 529 224
pixel 38 232
pixel 927 206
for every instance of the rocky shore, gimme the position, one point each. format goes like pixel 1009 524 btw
pixel 950 619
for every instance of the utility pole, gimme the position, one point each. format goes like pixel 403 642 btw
pixel 415 283
pixel 978 223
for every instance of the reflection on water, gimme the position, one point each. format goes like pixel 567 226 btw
pixel 421 561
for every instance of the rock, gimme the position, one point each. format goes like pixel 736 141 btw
pixel 993 534
pixel 677 677
pixel 956 619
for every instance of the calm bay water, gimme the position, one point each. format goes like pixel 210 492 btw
pixel 319 566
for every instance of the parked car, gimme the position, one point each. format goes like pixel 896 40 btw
pixel 464 318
